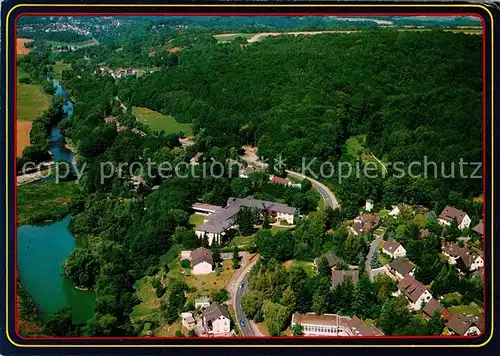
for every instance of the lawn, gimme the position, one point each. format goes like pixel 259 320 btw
pixel 58 68
pixel 205 284
pixel 384 259
pixel 467 309
pixel 196 220
pixel 160 122
pixel 242 240
pixel 308 267
pixel 31 101
pixel 50 197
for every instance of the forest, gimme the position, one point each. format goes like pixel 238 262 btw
pixel 298 97
pixel 391 86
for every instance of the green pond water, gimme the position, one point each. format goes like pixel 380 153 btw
pixel 41 251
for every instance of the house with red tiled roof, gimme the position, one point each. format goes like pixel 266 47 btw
pixel 417 293
pixel 465 325
pixel 393 248
pixel 282 181
pixel 450 213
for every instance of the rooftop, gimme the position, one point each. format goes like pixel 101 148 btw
pixel 450 212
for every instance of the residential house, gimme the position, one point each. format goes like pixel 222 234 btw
pixel 393 248
pixel 339 276
pixel 398 209
pixel 202 261
pixel 416 293
pixel 434 305
pixel 333 260
pixel 465 259
pixel 401 268
pixel 465 325
pixel 449 213
pixel 216 320
pixel 369 205
pixel 185 255
pixel 282 181
pixel 246 172
pixel 364 224
pixel 333 325
pixel 479 228
pixel 202 303
pixel 470 260
pixel 188 321
pixel 221 220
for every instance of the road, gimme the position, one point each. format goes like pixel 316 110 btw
pixel 326 193
pixel 250 329
pixel 253 159
pixel 373 247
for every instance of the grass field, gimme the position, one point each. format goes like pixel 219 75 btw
pixel 159 122
pixel 228 37
pixel 31 101
pixel 50 197
pixel 58 68
pixel 206 284
pixel 149 303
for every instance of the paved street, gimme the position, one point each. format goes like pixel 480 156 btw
pixel 326 193
pixel 250 329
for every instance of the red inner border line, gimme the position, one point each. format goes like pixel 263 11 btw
pixel 205 14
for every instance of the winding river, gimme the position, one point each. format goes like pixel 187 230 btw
pixel 42 249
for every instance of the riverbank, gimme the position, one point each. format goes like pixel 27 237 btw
pixel 28 323
pixel 50 201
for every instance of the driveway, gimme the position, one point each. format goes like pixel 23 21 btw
pixel 373 247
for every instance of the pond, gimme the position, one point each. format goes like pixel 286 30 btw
pixel 41 252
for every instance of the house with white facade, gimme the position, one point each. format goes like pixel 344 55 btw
pixel 202 303
pixel 450 213
pixel 202 261
pixel 466 260
pixel 188 321
pixel 393 248
pixel 465 325
pixel 216 320
pixel 333 325
pixel 416 293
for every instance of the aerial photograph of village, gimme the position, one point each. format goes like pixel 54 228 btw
pixel 239 176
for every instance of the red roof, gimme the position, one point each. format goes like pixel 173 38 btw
pixel 280 180
pixel 450 212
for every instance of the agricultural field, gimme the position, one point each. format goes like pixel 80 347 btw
pixel 20 49
pixel 160 122
pixel 31 101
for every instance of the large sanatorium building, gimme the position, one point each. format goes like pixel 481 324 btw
pixel 220 219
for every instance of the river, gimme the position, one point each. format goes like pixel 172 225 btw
pixel 42 250
pixel 58 147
